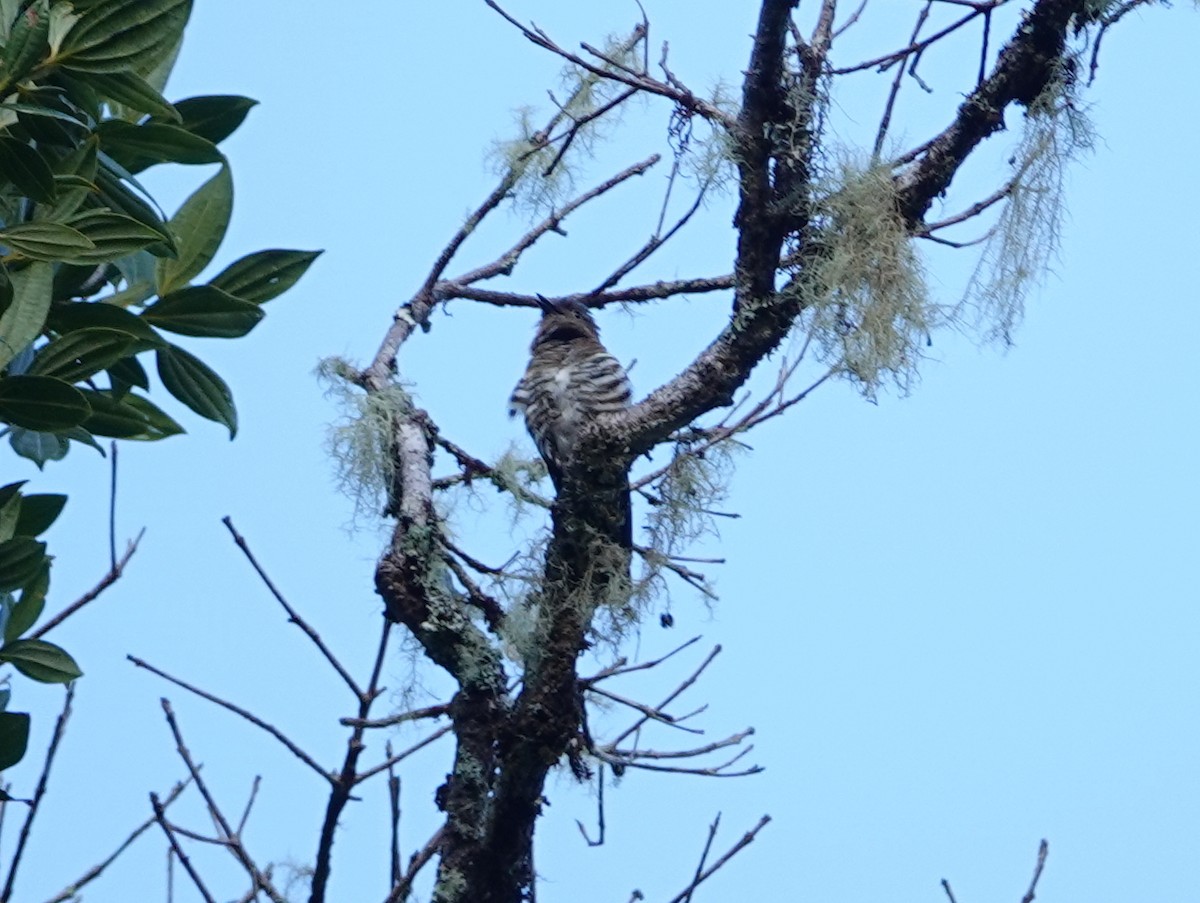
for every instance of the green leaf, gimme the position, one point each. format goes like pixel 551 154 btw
pixel 73 178
pixel 7 493
pixel 10 513
pixel 14 738
pixel 79 354
pixel 38 512
pixel 126 374
pixel 26 45
pixel 40 447
pixel 6 291
pixel 40 661
pixel 25 168
pixel 202 310
pixel 33 601
pixel 20 560
pixel 130 417
pixel 83 437
pixel 131 90
pixel 138 146
pixel 41 403
pixel 113 193
pixel 123 35
pixel 199 227
pixel 46 241
pixel 22 322
pixel 214 117
pixel 88 314
pixel 198 386
pixel 113 235
pixel 264 275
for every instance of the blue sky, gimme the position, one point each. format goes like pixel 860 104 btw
pixel 959 621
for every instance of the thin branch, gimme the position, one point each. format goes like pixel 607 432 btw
pixel 393 784
pixel 293 616
pixel 970 212
pixel 229 838
pixel 113 575
pixel 71 891
pixel 503 265
pixel 716 650
pixel 432 711
pixel 112 508
pixel 650 712
pixel 60 727
pixel 346 779
pixel 631 755
pixel 712 833
pixel 599 841
pixel 652 244
pixel 493 611
pixel 745 841
pixel 1043 852
pixel 418 861
pixel 841 29
pixel 400 756
pixel 620 667
pixel 237 710
pixel 249 805
pixel 886 119
pixel 642 82
pixel 916 46
pixel 160 816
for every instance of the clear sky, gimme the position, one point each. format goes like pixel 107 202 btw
pixel 960 621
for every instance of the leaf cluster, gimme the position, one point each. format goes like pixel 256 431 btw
pixel 94 277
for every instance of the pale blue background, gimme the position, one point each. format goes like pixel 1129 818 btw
pixel 960 622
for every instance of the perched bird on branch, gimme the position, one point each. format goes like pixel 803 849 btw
pixel 570 379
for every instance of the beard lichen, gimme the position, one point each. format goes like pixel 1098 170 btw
pixel 866 306
pixel 360 442
pixel 1025 239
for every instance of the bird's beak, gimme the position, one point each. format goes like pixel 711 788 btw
pixel 546 304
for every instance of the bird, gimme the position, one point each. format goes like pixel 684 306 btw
pixel 571 378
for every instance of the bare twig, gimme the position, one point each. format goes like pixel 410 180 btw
pixel 599 841
pixel 432 711
pixel 418 861
pixel 292 614
pixel 504 264
pixel 345 780
pixel 642 82
pixel 113 575
pixel 1043 851
pixel 914 47
pixel 229 838
pixel 400 756
pixel 886 119
pixel 393 784
pixel 237 710
pixel 650 712
pixel 716 650
pixel 71 891
pixel 160 816
pixel 112 508
pixel 60 727
pixel 249 805
pixel 620 667
pixel 712 833
pixel 745 840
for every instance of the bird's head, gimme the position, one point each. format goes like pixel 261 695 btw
pixel 563 321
